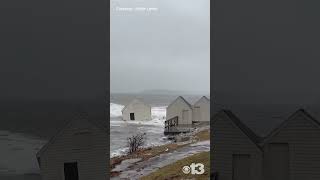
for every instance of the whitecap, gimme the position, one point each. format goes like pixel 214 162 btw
pixel 115 110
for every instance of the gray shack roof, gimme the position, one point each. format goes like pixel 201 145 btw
pixel 103 125
pixel 258 126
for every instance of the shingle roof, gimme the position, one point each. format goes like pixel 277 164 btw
pixel 183 99
pixel 247 131
pixel 99 123
pixel 284 123
pixel 260 120
pixel 203 97
pixel 259 126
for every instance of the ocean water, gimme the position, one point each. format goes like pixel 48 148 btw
pixel 120 130
pixel 18 156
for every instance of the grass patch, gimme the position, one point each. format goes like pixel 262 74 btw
pixel 174 171
pixel 150 152
pixel 203 135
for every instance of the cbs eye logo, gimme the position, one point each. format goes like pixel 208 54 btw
pixel 194 168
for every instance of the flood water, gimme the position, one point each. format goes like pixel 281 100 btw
pixel 18 156
pixel 121 130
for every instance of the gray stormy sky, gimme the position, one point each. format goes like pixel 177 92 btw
pixel 165 49
pixel 266 51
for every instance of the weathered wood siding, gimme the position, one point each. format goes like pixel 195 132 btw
pixel 203 112
pixel 227 140
pixel 142 112
pixel 303 137
pixel 80 142
pixel 176 109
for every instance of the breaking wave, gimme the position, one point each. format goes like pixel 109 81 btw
pixel 115 110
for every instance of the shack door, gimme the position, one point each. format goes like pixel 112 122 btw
pixel 278 161
pixel 185 116
pixel 71 171
pixel 197 114
pixel 241 167
pixel 132 116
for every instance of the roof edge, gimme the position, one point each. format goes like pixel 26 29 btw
pixel 64 127
pixel 284 123
pixel 254 138
pixel 183 99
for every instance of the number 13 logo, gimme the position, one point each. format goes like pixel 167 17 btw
pixel 196 168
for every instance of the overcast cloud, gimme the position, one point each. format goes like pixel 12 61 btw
pixel 267 51
pixel 166 49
